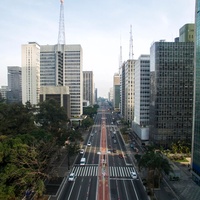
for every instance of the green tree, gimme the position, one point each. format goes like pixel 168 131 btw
pixel 90 110
pixel 52 117
pixel 15 119
pixel 21 167
pixel 155 164
pixel 72 144
pixel 87 122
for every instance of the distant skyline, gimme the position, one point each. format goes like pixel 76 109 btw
pixel 96 25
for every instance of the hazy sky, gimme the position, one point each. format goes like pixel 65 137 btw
pixel 96 25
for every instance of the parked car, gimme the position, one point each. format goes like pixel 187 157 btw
pixel 72 177
pixel 133 175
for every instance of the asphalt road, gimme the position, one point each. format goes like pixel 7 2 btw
pixel 120 183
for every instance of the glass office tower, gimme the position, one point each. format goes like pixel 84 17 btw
pixel 196 113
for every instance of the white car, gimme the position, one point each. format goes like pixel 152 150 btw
pixel 89 143
pixel 72 177
pixel 133 175
pixel 81 151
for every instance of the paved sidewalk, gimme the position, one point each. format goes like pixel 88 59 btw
pixel 184 189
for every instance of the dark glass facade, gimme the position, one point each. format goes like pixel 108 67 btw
pixel 196 117
pixel 171 101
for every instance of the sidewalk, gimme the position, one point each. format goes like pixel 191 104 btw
pixel 184 189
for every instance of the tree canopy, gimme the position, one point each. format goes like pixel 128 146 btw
pixel 155 164
pixel 29 137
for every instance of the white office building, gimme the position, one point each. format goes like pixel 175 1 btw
pixel 129 102
pixel 30 72
pixel 62 65
pixel 88 87
pixel 140 124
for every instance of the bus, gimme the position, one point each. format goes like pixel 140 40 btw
pixel 82 162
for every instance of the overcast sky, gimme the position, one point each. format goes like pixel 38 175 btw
pixel 96 25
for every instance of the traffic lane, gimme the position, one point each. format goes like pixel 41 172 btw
pixel 93 188
pixel 140 190
pixel 126 189
pixel 93 156
pixel 114 191
pixel 122 189
pixel 94 150
pixel 83 188
pixel 122 146
pixel 67 189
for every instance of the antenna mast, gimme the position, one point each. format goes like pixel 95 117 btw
pixel 61 33
pixel 131 45
pixel 120 57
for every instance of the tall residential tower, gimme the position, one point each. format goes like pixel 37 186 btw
pixel 14 95
pixel 30 73
pixel 88 86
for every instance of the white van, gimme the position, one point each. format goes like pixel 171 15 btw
pixel 82 162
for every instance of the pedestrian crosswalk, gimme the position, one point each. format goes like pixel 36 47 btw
pixel 120 171
pixel 85 170
pixel 93 171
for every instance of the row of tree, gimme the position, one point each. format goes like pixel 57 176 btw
pixel 155 165
pixel 29 138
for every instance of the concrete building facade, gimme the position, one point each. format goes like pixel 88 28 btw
pixel 62 65
pixel 14 94
pixel 30 72
pixel 129 84
pixel 116 91
pixel 3 91
pixel 140 124
pixel 58 93
pixel 88 87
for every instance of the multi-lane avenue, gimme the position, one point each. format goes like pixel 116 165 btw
pixel 107 171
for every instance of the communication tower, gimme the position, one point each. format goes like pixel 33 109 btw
pixel 61 33
pixel 131 45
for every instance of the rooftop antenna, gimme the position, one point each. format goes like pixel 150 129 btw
pixel 61 33
pixel 131 45
pixel 120 56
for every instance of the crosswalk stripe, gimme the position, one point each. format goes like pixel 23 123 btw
pixel 93 171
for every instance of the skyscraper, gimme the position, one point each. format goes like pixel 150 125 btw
pixel 196 110
pixel 61 65
pixel 116 91
pixel 140 124
pixel 14 95
pixel 186 33
pixel 30 73
pixel 88 86
pixel 129 86
pixel 171 99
